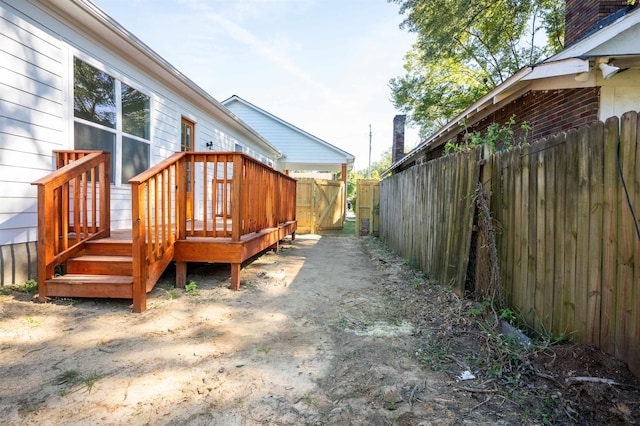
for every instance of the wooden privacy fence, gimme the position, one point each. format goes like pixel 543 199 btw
pixel 567 244
pixel 319 205
pixel 367 207
pixel 568 252
pixel 426 215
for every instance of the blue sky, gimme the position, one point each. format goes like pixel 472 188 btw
pixel 321 65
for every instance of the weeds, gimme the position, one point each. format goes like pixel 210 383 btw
pixel 433 356
pixel 342 323
pixel 264 349
pixel 308 398
pixel 29 287
pixel 74 381
pixel 172 293
pixel 32 321
pixel 191 289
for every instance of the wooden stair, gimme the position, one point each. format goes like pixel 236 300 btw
pixel 104 269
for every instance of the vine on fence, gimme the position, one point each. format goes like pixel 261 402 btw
pixel 498 137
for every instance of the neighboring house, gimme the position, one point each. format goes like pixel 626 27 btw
pixel 596 76
pixel 73 78
pixel 302 151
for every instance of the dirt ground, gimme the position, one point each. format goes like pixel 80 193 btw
pixel 331 330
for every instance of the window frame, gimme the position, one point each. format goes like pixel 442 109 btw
pixel 116 173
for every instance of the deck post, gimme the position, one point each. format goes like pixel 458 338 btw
pixel 45 251
pixel 236 198
pixel 235 276
pixel 181 198
pixel 181 274
pixel 105 194
pixel 138 249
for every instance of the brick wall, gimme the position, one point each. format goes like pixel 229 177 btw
pixel 548 112
pixel 582 16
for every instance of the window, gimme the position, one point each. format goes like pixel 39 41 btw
pixel 110 115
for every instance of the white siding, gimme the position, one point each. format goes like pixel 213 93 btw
pixel 619 94
pixel 36 110
pixel 299 147
pixel 31 119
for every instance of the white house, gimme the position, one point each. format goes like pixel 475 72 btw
pixel 301 150
pixel 73 78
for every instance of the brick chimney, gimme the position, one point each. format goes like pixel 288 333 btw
pixel 397 148
pixel 583 16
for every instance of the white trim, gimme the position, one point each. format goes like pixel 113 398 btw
pixel 584 46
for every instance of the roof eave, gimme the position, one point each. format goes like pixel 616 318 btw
pixel 110 31
pixel 505 92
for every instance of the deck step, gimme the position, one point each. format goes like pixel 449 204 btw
pixel 83 285
pixel 100 265
pixel 109 247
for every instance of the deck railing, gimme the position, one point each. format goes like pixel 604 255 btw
pixel 201 194
pixel 73 208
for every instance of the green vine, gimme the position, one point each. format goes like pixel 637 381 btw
pixel 498 137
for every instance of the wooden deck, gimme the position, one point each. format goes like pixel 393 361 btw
pixel 243 208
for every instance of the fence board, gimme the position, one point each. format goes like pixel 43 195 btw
pixel 625 241
pixel 541 160
pixel 582 235
pixel 608 313
pixel 570 233
pixel 594 253
pixel 634 363
pixel 532 260
pixel 559 240
pixel 545 315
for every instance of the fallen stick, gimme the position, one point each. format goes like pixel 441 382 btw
pixel 476 390
pixel 572 380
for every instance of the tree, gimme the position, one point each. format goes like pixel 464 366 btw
pixel 466 48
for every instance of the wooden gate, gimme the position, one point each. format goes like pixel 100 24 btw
pixel 319 205
pixel 367 207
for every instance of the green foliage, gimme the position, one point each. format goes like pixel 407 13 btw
pixel 508 315
pixel 464 49
pixel 31 286
pixel 191 289
pixel 172 293
pixel 498 137
pixel 73 381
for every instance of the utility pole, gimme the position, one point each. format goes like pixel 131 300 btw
pixel 369 174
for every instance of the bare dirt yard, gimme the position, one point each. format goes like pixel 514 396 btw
pixel 330 330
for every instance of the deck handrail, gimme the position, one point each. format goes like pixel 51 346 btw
pixel 201 194
pixel 69 212
pixel 64 157
pixel 269 197
pixel 155 199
